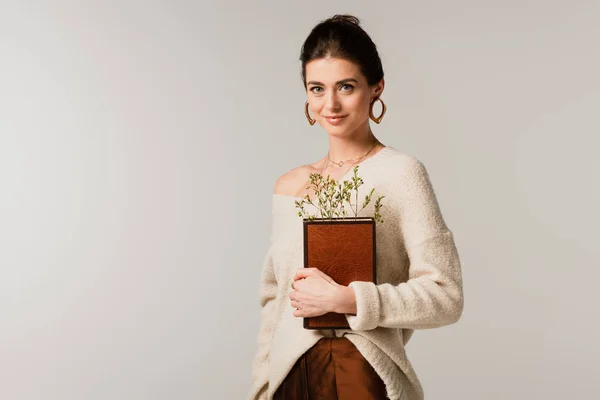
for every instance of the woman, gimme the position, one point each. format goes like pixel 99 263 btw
pixel 418 268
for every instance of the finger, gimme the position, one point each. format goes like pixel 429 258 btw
pixel 306 272
pixel 302 273
pixel 299 275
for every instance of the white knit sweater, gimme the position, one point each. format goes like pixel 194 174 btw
pixel 418 274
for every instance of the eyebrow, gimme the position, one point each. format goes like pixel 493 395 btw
pixel 337 83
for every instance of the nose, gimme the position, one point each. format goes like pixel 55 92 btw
pixel 332 103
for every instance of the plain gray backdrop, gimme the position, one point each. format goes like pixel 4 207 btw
pixel 139 145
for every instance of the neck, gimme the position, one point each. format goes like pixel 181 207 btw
pixel 352 147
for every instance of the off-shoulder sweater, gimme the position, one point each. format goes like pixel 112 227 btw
pixel 419 280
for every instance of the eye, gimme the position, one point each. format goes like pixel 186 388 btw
pixel 348 86
pixel 316 89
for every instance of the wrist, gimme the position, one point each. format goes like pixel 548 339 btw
pixel 347 301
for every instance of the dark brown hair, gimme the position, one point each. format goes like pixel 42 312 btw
pixel 342 37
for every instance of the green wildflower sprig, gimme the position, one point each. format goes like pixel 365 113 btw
pixel 331 195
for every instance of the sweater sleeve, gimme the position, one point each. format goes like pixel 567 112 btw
pixel 266 294
pixel 433 295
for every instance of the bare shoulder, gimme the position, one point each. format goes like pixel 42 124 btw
pixel 294 181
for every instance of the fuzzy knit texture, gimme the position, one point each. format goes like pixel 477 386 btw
pixel 418 274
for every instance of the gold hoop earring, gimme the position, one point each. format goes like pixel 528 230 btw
pixel 311 121
pixel 383 108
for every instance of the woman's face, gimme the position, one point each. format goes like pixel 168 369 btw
pixel 339 95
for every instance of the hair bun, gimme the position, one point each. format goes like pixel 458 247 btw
pixel 345 18
pixel 341 36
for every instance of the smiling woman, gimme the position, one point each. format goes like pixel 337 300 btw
pixel 419 283
pixel 344 51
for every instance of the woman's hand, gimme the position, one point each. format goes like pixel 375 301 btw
pixel 315 294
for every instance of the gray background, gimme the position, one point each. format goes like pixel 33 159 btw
pixel 139 144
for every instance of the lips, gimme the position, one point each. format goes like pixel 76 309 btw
pixel 333 120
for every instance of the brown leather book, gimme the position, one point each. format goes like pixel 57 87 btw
pixel 344 249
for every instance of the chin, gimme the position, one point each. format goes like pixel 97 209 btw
pixel 338 130
pixel 342 131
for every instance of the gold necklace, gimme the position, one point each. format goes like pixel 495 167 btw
pixel 340 163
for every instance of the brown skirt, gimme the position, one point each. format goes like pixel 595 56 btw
pixel 333 369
